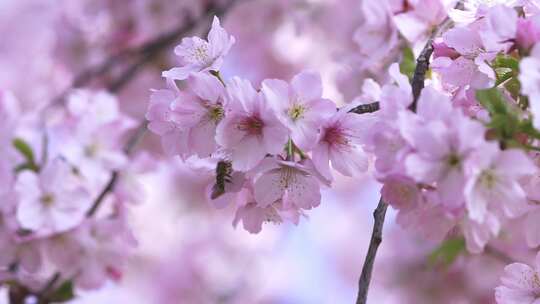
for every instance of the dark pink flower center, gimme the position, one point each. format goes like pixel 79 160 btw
pixel 335 136
pixel 252 125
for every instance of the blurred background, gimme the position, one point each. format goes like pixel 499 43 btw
pixel 188 251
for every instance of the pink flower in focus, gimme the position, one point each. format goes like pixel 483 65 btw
pixel 289 183
pixel 340 142
pixel 253 215
pixel 198 55
pixel 520 284
pixel 299 106
pixel 186 120
pixel 51 201
pixel 250 129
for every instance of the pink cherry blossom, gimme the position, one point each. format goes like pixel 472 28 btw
pixel 192 116
pixel 441 146
pixel 253 216
pixel 339 143
pixel 203 104
pixel 470 68
pixel 289 183
pixel 198 55
pixel 417 22
pixel 493 182
pixel 501 28
pixel 250 129
pixel 401 192
pixel 299 106
pixel 52 200
pixel 520 284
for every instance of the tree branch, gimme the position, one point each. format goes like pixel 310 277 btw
pixel 376 239
pixel 422 62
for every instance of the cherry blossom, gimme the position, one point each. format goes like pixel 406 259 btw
pixel 339 143
pixel 300 106
pixel 520 284
pixel 494 180
pixel 250 128
pixel 198 55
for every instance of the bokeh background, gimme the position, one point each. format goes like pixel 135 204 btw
pixel 188 251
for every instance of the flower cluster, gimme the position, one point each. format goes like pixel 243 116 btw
pixel 53 168
pixel 271 148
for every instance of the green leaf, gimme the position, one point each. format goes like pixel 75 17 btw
pixel 64 293
pixel 408 63
pixel 527 127
pixel 25 149
pixel 447 252
pixel 503 74
pixel 493 101
pixel 506 61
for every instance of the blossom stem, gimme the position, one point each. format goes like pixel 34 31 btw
pixel 218 76
pixel 290 150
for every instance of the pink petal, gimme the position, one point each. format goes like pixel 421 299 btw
pixel 308 85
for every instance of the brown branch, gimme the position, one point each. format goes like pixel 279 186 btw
pixel 376 239
pixel 422 62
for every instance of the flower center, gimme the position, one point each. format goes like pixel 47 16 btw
pixel 453 160
pixel 252 125
pixel 488 178
pixel 335 136
pixel 199 54
pixel 215 113
pixel 296 112
pixel 91 150
pixel 47 200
